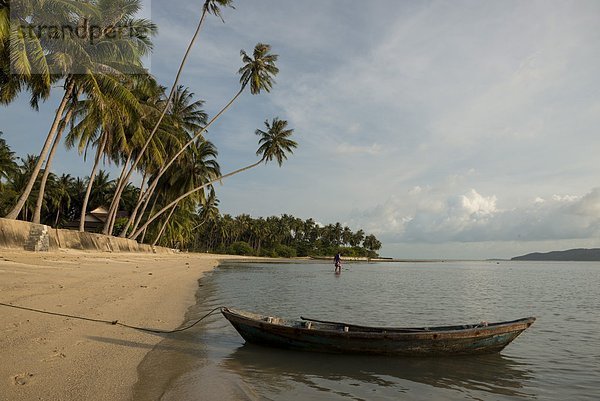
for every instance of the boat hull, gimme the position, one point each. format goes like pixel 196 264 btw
pixel 339 338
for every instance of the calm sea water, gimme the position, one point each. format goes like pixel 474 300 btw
pixel 558 358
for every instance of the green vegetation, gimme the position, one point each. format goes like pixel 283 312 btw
pixel 112 108
pixel 285 236
pixel 188 226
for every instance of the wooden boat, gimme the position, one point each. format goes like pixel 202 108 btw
pixel 337 337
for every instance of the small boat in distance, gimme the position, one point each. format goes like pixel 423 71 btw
pixel 337 337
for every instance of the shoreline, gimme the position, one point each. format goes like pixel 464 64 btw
pixel 53 357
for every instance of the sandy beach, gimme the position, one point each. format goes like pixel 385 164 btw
pixel 57 358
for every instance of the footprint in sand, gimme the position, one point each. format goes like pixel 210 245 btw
pixel 55 356
pixel 22 378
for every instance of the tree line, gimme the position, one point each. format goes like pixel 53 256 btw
pixel 284 236
pixel 199 228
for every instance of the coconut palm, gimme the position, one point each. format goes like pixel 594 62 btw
pixel 171 135
pixel 371 243
pixel 274 144
pixel 26 60
pixel 25 63
pixel 357 238
pixel 258 72
pixel 209 7
pixel 21 177
pixel 62 196
pixel 8 166
pixel 198 166
pixel 185 116
pixel 112 126
pixel 102 189
pixel 94 67
pixel 154 156
pixel 105 91
pixel 209 209
pixel 40 199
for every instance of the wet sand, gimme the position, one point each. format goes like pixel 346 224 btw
pixel 57 358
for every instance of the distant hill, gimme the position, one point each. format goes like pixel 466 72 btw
pixel 574 255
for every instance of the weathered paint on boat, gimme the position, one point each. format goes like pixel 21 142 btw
pixel 338 337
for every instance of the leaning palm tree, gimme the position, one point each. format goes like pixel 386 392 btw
pixel 209 7
pixel 197 167
pixel 103 75
pixel 186 117
pixel 61 129
pixel 95 67
pixel 109 125
pixel 28 61
pixel 258 72
pixel 275 144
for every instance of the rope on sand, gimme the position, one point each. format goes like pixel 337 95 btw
pixel 114 322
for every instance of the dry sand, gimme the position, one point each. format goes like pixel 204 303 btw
pixel 45 357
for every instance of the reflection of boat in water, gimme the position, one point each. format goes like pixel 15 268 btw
pixel 477 375
pixel 337 337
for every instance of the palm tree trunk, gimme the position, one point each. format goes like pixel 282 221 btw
pixel 193 191
pixel 114 205
pixel 151 211
pixel 164 226
pixel 143 235
pixel 88 190
pixel 57 217
pixel 168 102
pixel 152 187
pixel 140 216
pixel 133 216
pixel 40 199
pixel 14 213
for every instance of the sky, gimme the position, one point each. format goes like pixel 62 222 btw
pixel 449 129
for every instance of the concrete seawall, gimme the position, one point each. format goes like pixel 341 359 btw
pixel 14 234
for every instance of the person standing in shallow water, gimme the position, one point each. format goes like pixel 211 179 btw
pixel 337 261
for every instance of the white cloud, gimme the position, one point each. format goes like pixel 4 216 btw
pixel 431 217
pixel 348 149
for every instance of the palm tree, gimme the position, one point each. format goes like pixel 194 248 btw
pixel 274 144
pixel 26 60
pixel 258 72
pixel 8 166
pixel 95 67
pixel 357 238
pixel 111 126
pixel 371 243
pixel 155 154
pixel 118 103
pixel 209 7
pixel 47 171
pixel 62 196
pixel 20 179
pixel 26 64
pixel 199 166
pixel 210 209
pixel 185 117
pixel 102 189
